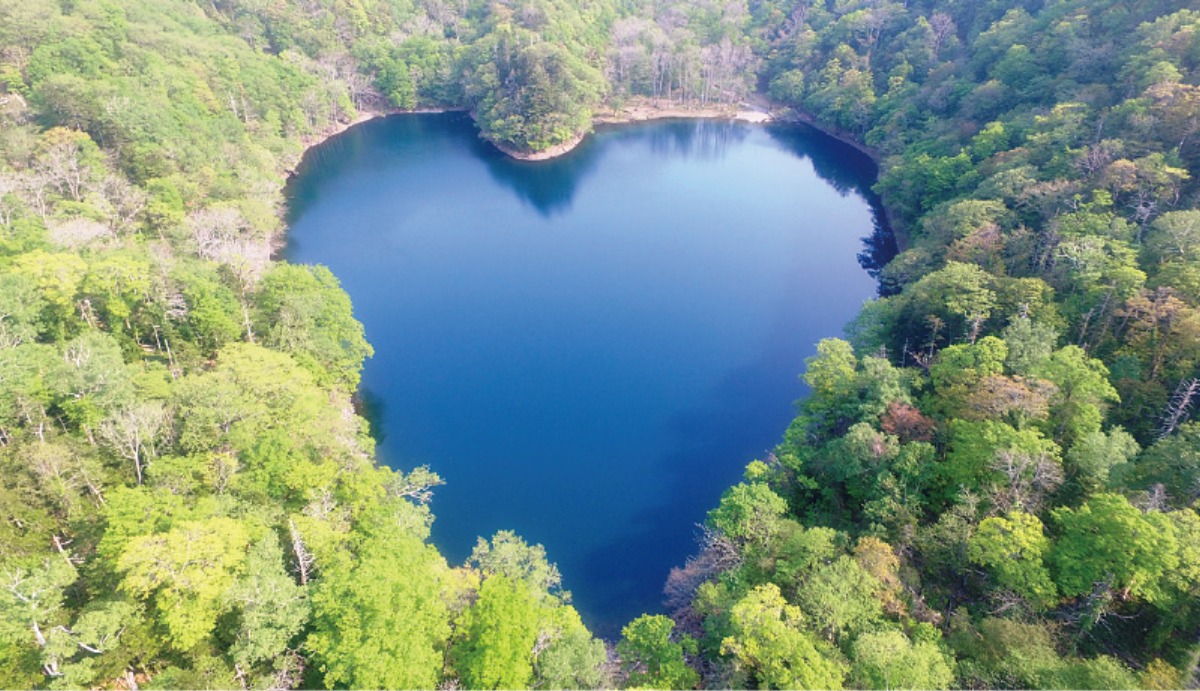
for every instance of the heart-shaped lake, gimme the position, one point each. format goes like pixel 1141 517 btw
pixel 590 349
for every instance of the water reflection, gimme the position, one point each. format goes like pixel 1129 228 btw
pixel 547 186
pixel 703 140
pixel 550 186
pixel 848 171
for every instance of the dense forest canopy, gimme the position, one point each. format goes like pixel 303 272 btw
pixel 992 484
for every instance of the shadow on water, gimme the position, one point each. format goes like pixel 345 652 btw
pixel 373 409
pixel 375 144
pixel 547 186
pixel 550 186
pixel 847 170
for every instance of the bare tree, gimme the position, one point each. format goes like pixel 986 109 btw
pixel 943 28
pixel 62 162
pixel 34 187
pixel 78 232
pixel 62 474
pixel 133 433
pixel 304 558
pixel 717 555
pixel 1027 479
pixel 10 184
pixel 123 202
pixel 1179 409
pixel 223 235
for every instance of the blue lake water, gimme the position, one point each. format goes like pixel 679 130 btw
pixel 590 349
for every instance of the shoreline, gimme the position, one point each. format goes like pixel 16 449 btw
pixel 645 110
pixel 757 110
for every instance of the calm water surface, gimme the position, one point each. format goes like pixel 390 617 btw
pixel 588 350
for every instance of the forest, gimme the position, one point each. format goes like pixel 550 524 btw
pixel 994 482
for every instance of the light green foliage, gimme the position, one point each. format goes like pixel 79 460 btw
pixel 889 660
pixel 188 571
pixel 799 550
pixel 840 599
pixel 1174 237
pixel 1097 455
pixel 1103 672
pixel 57 278
pixel 1083 393
pixel 962 365
pixel 261 403
pixel 846 389
pixel 378 620
pixel 858 457
pixel 303 310
pixel 574 660
pixel 830 372
pixel 1003 653
pixel 85 652
pixel 21 303
pixel 497 637
pixel 271 607
pixel 510 556
pixel 117 285
pixel 975 447
pixel 749 513
pixel 31 604
pixel 1013 548
pixel 91 381
pixel 767 641
pixel 1109 542
pixel 1186 579
pixel 651 659
pixel 946 306
pixel 960 370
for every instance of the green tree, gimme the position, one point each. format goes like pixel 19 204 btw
pixel 767 641
pixel 270 606
pixel 574 660
pixel 889 660
pixel 1083 393
pixel 840 599
pixel 188 571
pixel 749 513
pixel 303 310
pixel 507 555
pixel 1108 542
pixel 498 633
pixel 651 659
pixel 378 619
pixel 1013 548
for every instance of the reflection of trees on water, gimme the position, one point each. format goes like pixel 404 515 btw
pixel 702 140
pixel 548 186
pixel 376 144
pixel 847 170
pixel 879 247
pixel 373 408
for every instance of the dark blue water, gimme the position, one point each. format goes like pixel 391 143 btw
pixel 588 350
